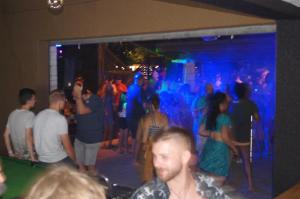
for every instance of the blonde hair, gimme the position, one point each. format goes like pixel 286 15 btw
pixel 63 182
pixel 2 175
pixel 56 96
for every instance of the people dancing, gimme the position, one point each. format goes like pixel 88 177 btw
pixel 215 157
pixel 241 113
pixel 123 134
pixel 149 125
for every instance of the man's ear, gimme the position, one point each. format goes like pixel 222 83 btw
pixel 186 157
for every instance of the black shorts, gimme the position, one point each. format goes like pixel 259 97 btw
pixel 132 126
pixel 242 137
pixel 122 123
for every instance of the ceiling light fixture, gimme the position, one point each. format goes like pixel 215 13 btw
pixel 55 4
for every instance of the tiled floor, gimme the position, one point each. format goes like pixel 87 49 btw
pixel 120 169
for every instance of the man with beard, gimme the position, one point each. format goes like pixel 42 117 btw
pixel 172 152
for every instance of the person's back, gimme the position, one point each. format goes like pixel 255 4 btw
pixel 222 120
pixel 134 102
pixel 241 113
pixel 153 123
pixel 89 132
pixel 18 121
pixel 90 125
pixel 50 132
pixel 18 131
pixel 134 108
pixel 149 126
pixel 215 157
pixel 122 106
pixel 108 100
pixel 216 154
pixel 48 125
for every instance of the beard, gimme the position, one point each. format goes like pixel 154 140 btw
pixel 166 175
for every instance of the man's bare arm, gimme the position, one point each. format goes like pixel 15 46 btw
pixel 29 143
pixel 7 142
pixel 68 146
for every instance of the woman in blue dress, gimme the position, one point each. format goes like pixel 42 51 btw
pixel 215 157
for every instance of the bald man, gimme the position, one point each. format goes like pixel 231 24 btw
pixel 172 152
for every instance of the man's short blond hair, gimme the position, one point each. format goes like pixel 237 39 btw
pixel 56 96
pixel 176 133
pixel 63 182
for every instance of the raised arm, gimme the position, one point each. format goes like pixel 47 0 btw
pixel 80 106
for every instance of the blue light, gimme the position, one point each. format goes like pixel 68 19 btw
pixel 179 61
pixel 58 45
pixel 222 64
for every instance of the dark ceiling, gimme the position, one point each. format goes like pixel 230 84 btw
pixel 271 9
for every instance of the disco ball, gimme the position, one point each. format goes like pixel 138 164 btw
pixel 55 4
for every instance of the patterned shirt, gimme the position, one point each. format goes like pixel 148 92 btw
pixel 156 189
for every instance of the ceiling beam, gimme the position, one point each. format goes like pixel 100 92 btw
pixel 271 9
pixel 278 6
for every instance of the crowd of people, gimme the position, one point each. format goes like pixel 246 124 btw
pixel 171 161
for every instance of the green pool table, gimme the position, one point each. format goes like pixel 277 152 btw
pixel 19 176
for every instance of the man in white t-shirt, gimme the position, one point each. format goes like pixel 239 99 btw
pixel 18 132
pixel 50 132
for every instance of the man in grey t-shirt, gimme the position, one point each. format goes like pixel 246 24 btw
pixel 18 132
pixel 50 132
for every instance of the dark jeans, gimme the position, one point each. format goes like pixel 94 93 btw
pixel 132 126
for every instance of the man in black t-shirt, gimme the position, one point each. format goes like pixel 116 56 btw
pixel 241 113
pixel 89 130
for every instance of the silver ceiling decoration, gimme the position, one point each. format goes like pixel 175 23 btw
pixel 294 2
pixel 55 4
